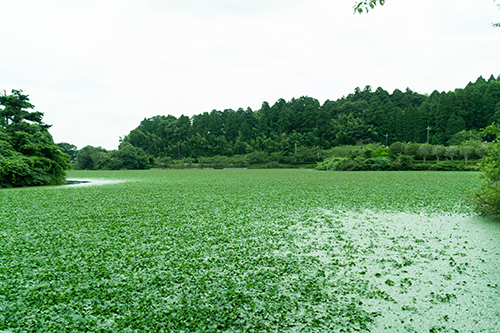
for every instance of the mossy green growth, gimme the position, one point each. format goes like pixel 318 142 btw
pixel 243 250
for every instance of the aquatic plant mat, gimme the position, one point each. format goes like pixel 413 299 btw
pixel 249 251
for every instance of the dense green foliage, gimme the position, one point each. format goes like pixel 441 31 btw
pixel 487 197
pixel 126 157
pixel 408 156
pixel 246 251
pixel 366 5
pixel 28 155
pixel 284 128
pixel 69 149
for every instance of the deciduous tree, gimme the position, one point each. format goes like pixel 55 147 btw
pixel 466 151
pixel 451 152
pixel 424 150
pixel 482 150
pixel 438 151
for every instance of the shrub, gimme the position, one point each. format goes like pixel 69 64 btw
pixel 379 163
pixel 422 167
pixel 368 152
pixel 396 149
pixel 381 152
pixel 271 165
pixel 357 164
pixel 412 149
pixel 403 162
pixel 447 166
pixel 486 198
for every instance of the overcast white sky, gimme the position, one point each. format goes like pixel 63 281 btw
pixel 97 68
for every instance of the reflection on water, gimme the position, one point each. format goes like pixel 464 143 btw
pixel 75 182
pixel 90 182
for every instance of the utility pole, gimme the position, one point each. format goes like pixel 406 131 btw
pixel 386 140
pixel 428 129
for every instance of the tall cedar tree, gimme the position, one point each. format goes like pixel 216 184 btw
pixel 28 155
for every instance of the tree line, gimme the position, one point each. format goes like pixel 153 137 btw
pixel 365 116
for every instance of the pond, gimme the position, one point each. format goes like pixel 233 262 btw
pixel 79 182
pixel 243 250
pixel 438 269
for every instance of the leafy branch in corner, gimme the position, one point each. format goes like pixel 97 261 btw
pixel 497 25
pixel 367 5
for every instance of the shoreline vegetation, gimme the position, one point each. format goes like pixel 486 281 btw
pixel 408 127
pixel 349 158
pixel 453 128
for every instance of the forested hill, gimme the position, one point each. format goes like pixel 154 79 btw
pixel 365 116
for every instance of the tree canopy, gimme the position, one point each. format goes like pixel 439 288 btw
pixel 69 149
pixel 28 155
pixel 363 117
pixel 126 157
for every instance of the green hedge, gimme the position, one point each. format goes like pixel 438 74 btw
pixel 385 163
